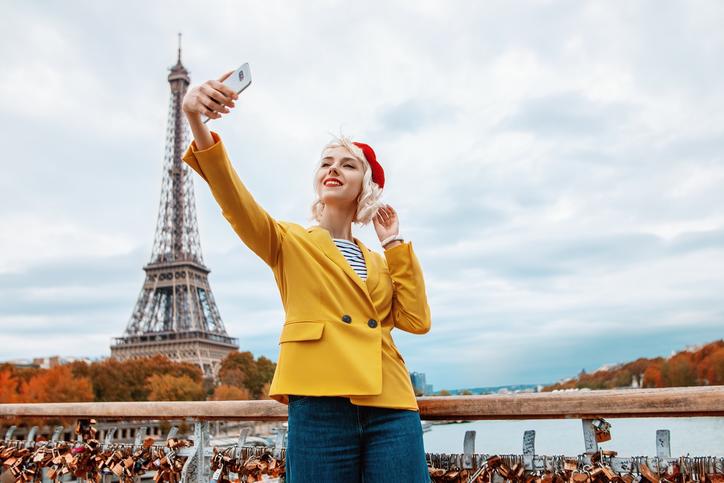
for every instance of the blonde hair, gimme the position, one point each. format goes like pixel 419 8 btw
pixel 368 199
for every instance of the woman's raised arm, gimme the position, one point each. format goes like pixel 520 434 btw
pixel 207 156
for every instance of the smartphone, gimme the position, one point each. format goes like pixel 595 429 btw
pixel 238 81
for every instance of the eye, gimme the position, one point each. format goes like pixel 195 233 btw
pixel 325 164
pixel 348 165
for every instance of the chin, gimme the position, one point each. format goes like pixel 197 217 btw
pixel 335 200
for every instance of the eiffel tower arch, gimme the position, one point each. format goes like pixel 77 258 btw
pixel 175 314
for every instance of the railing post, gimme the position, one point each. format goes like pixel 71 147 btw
pixel 140 435
pixel 663 449
pixel 279 442
pixel 243 434
pixel 194 468
pixel 56 433
pixel 30 438
pixel 110 433
pixel 202 430
pixel 589 437
pixel 528 449
pixel 663 443
pixel 468 449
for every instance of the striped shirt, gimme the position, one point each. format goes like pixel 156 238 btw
pixel 354 256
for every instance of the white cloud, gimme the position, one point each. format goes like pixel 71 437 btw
pixel 28 240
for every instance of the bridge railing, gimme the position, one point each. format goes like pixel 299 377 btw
pixel 591 407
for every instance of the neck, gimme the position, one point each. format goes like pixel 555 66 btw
pixel 337 220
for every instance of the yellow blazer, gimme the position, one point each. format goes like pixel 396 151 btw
pixel 337 334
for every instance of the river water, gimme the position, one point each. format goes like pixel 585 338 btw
pixel 701 436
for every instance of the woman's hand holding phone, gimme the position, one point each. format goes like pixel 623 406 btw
pixel 211 99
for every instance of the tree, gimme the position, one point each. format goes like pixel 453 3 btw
pixel 236 368
pixel 8 387
pixel 678 372
pixel 262 375
pixel 56 384
pixel 167 387
pixel 622 378
pixel 652 377
pixel 713 367
pixel 265 391
pixel 115 380
pixel 239 369
pixel 225 392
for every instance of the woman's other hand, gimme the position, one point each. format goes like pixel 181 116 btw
pixel 386 222
pixel 212 99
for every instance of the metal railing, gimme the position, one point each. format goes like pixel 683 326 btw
pixel 591 407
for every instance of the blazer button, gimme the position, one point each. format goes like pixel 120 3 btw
pixel 346 318
pixel 372 323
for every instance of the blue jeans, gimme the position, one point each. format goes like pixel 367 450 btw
pixel 332 440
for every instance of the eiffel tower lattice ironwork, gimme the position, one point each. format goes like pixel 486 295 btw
pixel 175 314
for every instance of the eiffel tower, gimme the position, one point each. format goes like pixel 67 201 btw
pixel 175 314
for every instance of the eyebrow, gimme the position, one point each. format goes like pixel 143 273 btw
pixel 343 159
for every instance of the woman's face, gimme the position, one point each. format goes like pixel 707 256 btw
pixel 338 180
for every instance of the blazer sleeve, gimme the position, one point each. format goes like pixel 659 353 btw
pixel 256 228
pixel 410 310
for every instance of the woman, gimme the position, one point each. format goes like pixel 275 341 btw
pixel 353 415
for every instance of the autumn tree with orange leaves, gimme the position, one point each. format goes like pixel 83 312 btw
pixel 700 367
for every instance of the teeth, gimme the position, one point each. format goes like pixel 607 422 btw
pixel 332 183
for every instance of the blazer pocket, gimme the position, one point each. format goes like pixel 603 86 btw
pixel 302 331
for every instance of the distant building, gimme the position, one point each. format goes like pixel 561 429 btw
pixel 45 362
pixel 418 383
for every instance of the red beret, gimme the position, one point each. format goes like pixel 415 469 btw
pixel 378 174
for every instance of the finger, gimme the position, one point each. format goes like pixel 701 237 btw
pixel 215 95
pixel 210 112
pixel 213 105
pixel 226 75
pixel 226 90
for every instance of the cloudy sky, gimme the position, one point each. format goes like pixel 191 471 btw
pixel 557 165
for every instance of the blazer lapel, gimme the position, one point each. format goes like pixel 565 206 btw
pixel 372 271
pixel 325 242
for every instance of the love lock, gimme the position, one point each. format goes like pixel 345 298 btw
pixel 602 429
